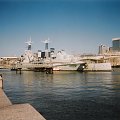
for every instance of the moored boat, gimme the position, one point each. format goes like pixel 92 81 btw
pixel 59 60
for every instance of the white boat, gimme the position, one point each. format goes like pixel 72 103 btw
pixel 60 60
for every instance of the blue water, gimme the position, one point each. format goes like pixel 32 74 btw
pixel 67 95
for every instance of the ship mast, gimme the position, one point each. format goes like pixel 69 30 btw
pixel 29 44
pixel 46 47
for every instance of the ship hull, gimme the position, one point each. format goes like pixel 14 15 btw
pixel 68 67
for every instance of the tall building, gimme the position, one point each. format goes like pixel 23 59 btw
pixel 116 44
pixel 103 49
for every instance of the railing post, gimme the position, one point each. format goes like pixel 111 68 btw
pixel 1 81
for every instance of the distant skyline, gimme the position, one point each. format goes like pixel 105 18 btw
pixel 77 26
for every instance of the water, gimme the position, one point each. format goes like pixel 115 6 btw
pixel 67 95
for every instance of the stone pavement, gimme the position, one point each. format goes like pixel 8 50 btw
pixel 8 111
pixel 4 101
pixel 20 112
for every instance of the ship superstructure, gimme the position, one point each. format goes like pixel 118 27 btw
pixel 28 55
pixel 60 60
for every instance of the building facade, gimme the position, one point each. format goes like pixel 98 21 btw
pixel 116 44
pixel 103 49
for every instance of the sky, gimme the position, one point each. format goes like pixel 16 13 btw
pixel 77 26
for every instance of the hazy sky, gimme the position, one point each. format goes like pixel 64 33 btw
pixel 73 25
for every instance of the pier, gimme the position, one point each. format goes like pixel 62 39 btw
pixel 8 111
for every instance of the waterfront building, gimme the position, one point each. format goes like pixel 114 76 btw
pixel 6 62
pixel 116 44
pixel 113 50
pixel 103 49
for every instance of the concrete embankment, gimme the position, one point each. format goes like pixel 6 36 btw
pixel 8 111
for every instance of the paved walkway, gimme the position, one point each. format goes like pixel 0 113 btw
pixel 20 112
pixel 8 111
pixel 4 101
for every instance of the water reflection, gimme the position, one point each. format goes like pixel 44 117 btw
pixel 67 95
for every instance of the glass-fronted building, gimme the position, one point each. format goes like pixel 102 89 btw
pixel 116 44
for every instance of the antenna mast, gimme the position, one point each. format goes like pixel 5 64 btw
pixel 29 44
pixel 46 47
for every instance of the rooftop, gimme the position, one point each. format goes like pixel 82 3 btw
pixel 115 39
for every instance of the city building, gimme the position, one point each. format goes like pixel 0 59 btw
pixel 116 44
pixel 103 49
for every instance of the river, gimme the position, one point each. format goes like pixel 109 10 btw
pixel 67 95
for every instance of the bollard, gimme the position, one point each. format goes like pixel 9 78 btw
pixel 1 81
